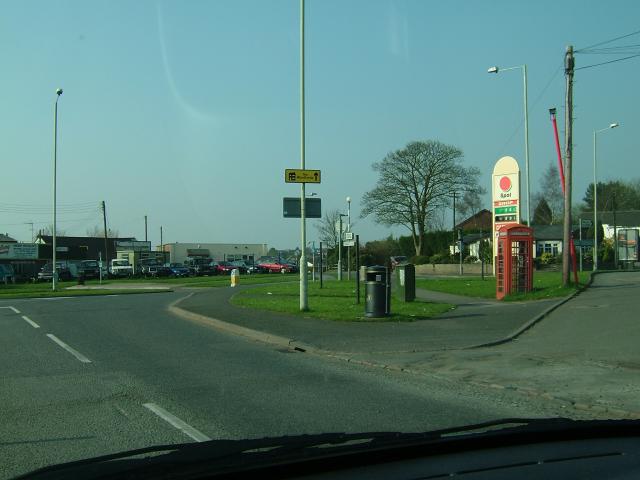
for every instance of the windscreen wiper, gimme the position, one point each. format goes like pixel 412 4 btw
pixel 225 455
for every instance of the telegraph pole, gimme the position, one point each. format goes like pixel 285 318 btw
pixel 145 229
pixel 106 241
pixel 569 64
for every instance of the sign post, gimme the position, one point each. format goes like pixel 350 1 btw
pixel 505 195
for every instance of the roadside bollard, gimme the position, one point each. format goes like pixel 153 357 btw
pixel 235 277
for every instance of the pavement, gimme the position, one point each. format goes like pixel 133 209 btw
pixel 473 321
pixel 580 352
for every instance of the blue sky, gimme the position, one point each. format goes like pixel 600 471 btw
pixel 188 111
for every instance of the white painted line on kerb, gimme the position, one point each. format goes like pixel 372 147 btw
pixel 176 422
pixel 30 322
pixel 73 352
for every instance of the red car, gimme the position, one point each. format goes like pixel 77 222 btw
pixel 275 267
pixel 227 267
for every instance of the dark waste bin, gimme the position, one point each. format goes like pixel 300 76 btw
pixel 405 282
pixel 376 300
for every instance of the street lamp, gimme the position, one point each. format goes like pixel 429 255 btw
pixel 526 129
pixel 348 230
pixel 54 278
pixel 340 246
pixel 595 195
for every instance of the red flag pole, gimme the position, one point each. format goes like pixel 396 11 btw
pixel 572 245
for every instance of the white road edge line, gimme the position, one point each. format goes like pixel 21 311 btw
pixel 176 422
pixel 73 352
pixel 15 310
pixel 30 322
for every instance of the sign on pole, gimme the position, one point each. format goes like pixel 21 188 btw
pixel 291 207
pixel 297 175
pixel 505 196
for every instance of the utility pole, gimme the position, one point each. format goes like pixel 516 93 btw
pixel 615 234
pixel 106 241
pixel 145 229
pixel 340 249
pixel 569 64
pixel 161 244
pixel 453 229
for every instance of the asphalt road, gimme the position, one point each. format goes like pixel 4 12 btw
pixel 81 377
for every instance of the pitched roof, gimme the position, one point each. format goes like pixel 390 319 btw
pixel 547 232
pixel 4 237
pixel 624 218
pixel 482 219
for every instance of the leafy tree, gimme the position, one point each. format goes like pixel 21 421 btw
pixel 379 251
pixel 414 183
pixel 626 196
pixel 542 215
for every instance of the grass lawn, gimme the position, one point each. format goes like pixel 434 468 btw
pixel 39 290
pixel 545 285
pixel 214 281
pixel 336 301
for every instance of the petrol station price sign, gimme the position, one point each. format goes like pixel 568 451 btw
pixel 505 193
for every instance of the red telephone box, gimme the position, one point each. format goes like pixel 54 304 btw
pixel 514 263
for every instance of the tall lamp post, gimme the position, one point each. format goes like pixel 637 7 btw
pixel 348 230
pixel 340 246
pixel 54 278
pixel 595 194
pixel 526 129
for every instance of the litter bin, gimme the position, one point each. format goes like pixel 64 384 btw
pixel 405 282
pixel 376 300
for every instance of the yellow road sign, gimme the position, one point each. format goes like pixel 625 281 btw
pixel 292 175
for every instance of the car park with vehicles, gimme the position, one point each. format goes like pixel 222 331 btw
pixel 250 268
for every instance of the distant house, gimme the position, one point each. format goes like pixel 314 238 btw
pixel 547 239
pixel 5 238
pixel 479 221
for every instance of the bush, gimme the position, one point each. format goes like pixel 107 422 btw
pixel 547 259
pixel 440 258
pixel 471 259
pixel 419 259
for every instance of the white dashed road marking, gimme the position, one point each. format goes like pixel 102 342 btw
pixel 30 322
pixel 176 422
pixel 73 352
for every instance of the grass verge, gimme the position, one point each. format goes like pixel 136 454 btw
pixel 214 281
pixel 545 285
pixel 336 301
pixel 44 291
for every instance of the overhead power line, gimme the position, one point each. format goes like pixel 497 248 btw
pixel 583 50
pixel 610 61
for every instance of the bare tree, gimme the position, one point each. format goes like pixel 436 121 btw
pixel 328 228
pixel 414 183
pixel 551 192
pixel 99 232
pixel 48 230
pixel 471 202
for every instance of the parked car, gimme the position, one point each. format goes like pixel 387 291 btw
pixel 7 274
pixel 179 270
pixel 277 267
pixel 89 269
pixel 119 267
pixel 250 268
pixel 225 268
pixel 157 271
pixel 199 266
pixel 46 273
